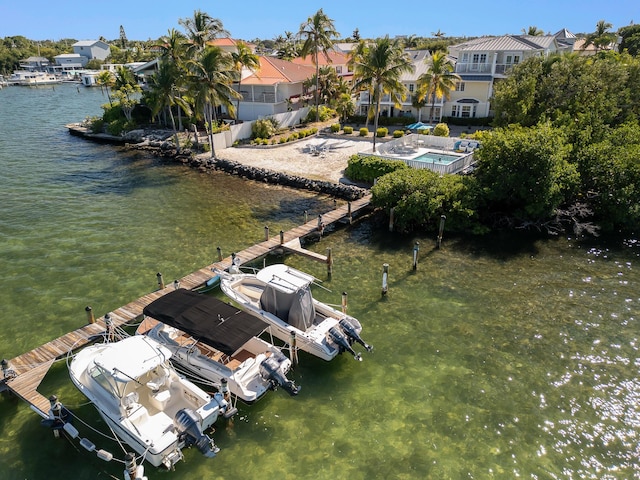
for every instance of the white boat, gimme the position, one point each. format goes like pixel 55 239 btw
pixel 281 296
pixel 144 401
pixel 32 79
pixel 215 343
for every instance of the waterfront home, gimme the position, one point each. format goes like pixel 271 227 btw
pixel 275 87
pixel 483 61
pixel 92 49
pixel 72 60
pixel 34 64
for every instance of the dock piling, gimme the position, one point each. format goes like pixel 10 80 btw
pixel 385 279
pixel 160 281
pixel 266 233
pixel 441 230
pixel 219 254
pixel 416 249
pixel 329 263
pixel 90 317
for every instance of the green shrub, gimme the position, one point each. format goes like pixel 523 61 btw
pixel 325 113
pixel 116 127
pixel 264 128
pixel 367 169
pixel 382 132
pixel 348 130
pixel 398 133
pixel 364 132
pixel 96 125
pixel 441 130
pixel 335 127
pixel 283 140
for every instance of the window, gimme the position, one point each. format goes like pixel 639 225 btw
pixel 339 69
pixel 454 110
pixel 513 59
pixel 411 87
pixel 479 58
pixel 459 86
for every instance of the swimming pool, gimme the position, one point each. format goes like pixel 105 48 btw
pixel 436 157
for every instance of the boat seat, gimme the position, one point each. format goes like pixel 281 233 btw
pixel 130 400
pixel 160 399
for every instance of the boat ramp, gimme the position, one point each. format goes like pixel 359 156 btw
pixel 23 374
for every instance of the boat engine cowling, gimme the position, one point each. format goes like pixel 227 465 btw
pixel 186 423
pixel 353 334
pixel 340 339
pixel 271 370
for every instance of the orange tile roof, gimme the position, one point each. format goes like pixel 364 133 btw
pixel 273 71
pixel 337 58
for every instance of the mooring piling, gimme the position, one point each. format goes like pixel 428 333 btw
pixel 416 249
pixel 385 279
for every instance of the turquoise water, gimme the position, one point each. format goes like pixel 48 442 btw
pixel 435 157
pixel 504 357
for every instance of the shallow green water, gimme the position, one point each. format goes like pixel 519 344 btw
pixel 502 358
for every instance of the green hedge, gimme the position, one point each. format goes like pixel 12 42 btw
pixel 367 169
pixel 382 121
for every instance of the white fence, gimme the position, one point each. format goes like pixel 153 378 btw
pixel 241 131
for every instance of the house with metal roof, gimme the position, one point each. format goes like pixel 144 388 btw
pixel 92 49
pixel 484 61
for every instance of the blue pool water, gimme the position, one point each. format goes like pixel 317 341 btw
pixel 436 157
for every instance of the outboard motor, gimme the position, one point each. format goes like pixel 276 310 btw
pixel 270 370
pixel 352 333
pixel 343 342
pixel 186 422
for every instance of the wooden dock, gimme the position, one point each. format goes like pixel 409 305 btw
pixel 26 372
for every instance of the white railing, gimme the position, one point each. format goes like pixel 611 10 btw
pixel 474 67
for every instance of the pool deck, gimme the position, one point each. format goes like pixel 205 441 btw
pixel 408 149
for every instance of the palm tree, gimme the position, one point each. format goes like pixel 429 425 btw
pixel 106 80
pixel 533 31
pixel 164 89
pixel 286 47
pixel 319 33
pixel 344 106
pixel 438 34
pixel 419 99
pixel 602 37
pixel 212 76
pixel 243 57
pixel 202 28
pixel 380 71
pixel 356 56
pixel 174 50
pixel 439 79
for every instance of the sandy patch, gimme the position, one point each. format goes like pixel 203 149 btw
pixel 317 158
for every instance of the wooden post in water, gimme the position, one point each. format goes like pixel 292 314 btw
pixel 293 348
pixel 219 254
pixel 160 281
pixel 391 219
pixel 306 217
pixel 281 237
pixel 266 233
pixel 329 262
pixel 320 225
pixel 349 212
pixel 442 220
pixel 56 412
pixel 416 249
pixel 90 317
pixel 385 279
pixel 344 302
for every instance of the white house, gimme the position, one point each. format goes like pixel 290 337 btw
pixel 71 60
pixel 276 87
pixel 34 64
pixel 92 49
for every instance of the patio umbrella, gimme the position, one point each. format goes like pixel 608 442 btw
pixel 418 126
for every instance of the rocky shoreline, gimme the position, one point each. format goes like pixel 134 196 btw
pixel 156 143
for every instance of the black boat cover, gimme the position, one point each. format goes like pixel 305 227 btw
pixel 206 319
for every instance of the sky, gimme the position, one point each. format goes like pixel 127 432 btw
pixel 250 19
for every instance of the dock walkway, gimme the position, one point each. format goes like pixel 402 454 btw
pixel 28 369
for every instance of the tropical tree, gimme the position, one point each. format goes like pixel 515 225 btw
pixel 165 90
pixel 439 79
pixel 243 57
pixel 532 31
pixel 438 34
pixel 202 28
pixel 630 39
pixel 173 46
pixel 211 76
pixel 379 70
pixel 106 80
pixel 345 106
pixel 318 33
pixel 602 37
pixel 124 76
pixel 419 99
pixel 286 47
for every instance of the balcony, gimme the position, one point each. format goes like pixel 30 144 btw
pixel 474 68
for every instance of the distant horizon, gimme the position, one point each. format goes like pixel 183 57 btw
pixel 147 20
